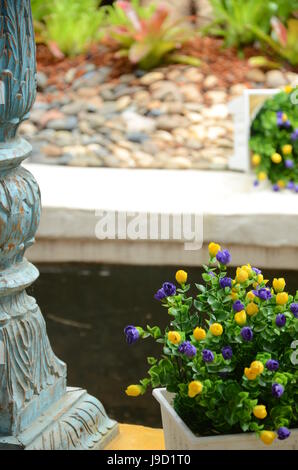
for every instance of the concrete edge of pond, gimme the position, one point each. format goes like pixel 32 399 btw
pixel 260 226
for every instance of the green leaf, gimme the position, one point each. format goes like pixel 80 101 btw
pixel 151 360
pixel 200 287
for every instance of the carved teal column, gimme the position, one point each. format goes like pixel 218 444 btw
pixel 37 410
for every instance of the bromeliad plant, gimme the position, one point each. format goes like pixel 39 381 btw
pixel 147 38
pixel 274 141
pixel 68 27
pixel 284 42
pixel 235 20
pixel 227 353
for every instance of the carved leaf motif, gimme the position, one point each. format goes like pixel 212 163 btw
pixel 30 364
pixel 19 214
pixel 82 428
pixel 5 198
pixel 17 64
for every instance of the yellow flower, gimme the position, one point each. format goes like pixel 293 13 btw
pixel 282 298
pixel 279 284
pixel 257 367
pixel 181 277
pixel 250 295
pixel 248 269
pixel 213 249
pixel 288 89
pixel 234 295
pixel 133 390
pixel 252 309
pixel 260 279
pixel 281 184
pixel 249 374
pixel 199 333
pixel 284 117
pixel 216 329
pixel 240 317
pixel 262 176
pixel 260 411
pixel 287 149
pixel 256 159
pixel 267 437
pixel 241 275
pixel 194 388
pixel 276 158
pixel 174 337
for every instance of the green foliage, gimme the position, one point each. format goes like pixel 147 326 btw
pixel 268 137
pixel 284 42
pixel 146 36
pixel 40 9
pixel 68 26
pixel 234 18
pixel 227 399
pixel 116 16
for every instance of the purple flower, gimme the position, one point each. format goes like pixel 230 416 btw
pixel 280 320
pixel 296 188
pixel 283 433
pixel 160 294
pixel 294 135
pixel 291 185
pixel 263 293
pixel 294 309
pixel 169 289
pixel 224 257
pixel 132 334
pixel 275 187
pixel 277 390
pixel 272 364
pixel 225 282
pixel 238 306
pixel 279 118
pixel 280 122
pixel 207 355
pixel 227 352
pixel 188 349
pixel 211 273
pixel 256 183
pixel 247 333
pixel 289 163
pixel 257 271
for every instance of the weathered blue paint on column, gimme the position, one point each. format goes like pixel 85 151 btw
pixel 37 410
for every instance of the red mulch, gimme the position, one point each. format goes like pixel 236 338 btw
pixel 225 64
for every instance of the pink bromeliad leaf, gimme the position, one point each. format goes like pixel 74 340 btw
pixel 138 51
pixel 55 50
pixel 131 14
pixel 158 18
pixel 280 31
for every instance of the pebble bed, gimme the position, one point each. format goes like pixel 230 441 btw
pixel 174 117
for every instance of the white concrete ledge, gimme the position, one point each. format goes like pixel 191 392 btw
pixel 260 226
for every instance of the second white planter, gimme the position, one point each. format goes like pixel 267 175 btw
pixel 179 437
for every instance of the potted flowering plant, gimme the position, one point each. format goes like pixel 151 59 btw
pixel 274 141
pixel 228 368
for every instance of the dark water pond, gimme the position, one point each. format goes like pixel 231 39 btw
pixel 86 308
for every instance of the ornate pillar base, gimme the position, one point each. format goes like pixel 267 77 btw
pixel 77 421
pixel 37 411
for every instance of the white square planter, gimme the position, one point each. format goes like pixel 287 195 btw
pixel 244 110
pixel 179 437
